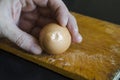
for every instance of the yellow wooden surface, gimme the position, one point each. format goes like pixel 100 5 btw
pixel 96 58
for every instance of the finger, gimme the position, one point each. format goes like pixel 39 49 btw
pixel 57 7
pixel 22 39
pixel 60 10
pixel 42 21
pixel 73 28
pixel 30 15
pixel 28 5
pixel 25 25
pixel 41 3
pixel 46 12
pixel 35 32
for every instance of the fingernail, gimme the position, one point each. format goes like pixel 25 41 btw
pixel 79 38
pixel 36 49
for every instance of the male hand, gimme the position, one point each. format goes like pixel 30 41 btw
pixel 21 21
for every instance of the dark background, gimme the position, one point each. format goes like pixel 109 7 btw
pixel 103 9
pixel 15 68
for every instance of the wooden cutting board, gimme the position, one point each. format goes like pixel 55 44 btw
pixel 96 58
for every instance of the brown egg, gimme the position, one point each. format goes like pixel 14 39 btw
pixel 55 39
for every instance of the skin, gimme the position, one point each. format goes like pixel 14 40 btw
pixel 22 20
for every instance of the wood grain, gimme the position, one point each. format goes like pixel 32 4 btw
pixel 96 58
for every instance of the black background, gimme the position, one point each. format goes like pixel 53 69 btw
pixel 15 68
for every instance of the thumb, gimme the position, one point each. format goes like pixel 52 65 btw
pixel 22 39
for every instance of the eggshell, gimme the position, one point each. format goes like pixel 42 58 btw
pixel 54 39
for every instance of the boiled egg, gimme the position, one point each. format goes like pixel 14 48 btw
pixel 54 39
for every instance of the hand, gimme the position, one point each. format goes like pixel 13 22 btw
pixel 22 19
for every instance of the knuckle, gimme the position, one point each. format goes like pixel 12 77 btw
pixel 20 40
pixel 28 5
pixel 24 41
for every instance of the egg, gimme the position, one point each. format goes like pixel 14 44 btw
pixel 54 39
